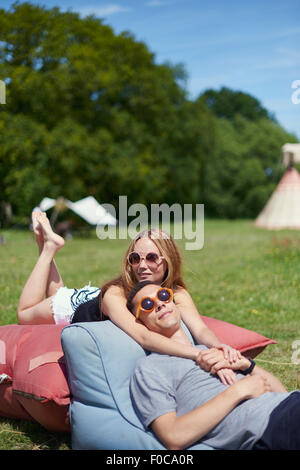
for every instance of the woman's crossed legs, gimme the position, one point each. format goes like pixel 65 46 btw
pixel 35 304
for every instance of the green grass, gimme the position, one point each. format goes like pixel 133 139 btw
pixel 243 275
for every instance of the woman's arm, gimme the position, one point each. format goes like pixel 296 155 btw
pixel 114 306
pixel 194 322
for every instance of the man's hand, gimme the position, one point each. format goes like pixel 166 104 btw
pixel 213 361
pixel 252 386
pixel 227 376
pixel 231 354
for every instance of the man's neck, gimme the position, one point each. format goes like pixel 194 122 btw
pixel 180 336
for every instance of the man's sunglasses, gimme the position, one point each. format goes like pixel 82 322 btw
pixel 149 304
pixel 152 259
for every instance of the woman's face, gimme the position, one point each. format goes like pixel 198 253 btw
pixel 142 271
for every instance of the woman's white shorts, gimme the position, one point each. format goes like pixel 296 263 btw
pixel 66 301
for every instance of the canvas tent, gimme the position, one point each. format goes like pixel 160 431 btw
pixel 290 154
pixel 282 210
pixel 87 208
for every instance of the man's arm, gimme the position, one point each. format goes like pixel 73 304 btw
pixel 178 433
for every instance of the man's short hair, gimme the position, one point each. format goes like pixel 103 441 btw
pixel 134 291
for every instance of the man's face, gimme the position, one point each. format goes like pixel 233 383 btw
pixel 164 318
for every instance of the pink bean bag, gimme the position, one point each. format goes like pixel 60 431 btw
pixel 33 376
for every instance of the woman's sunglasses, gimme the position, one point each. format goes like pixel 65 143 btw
pixel 149 304
pixel 152 259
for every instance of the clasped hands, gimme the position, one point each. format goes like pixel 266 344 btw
pixel 222 361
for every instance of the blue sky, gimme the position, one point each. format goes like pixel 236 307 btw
pixel 249 45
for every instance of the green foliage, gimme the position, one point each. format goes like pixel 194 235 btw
pixel 246 166
pixel 227 104
pixel 89 112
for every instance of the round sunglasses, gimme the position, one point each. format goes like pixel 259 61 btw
pixel 149 304
pixel 152 259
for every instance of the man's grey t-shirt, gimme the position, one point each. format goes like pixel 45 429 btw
pixel 162 384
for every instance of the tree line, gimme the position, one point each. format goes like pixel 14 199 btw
pixel 89 112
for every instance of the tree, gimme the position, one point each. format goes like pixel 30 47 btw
pixel 246 166
pixel 108 112
pixel 228 103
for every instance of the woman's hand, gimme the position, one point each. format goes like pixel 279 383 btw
pixel 209 358
pixel 230 354
pixel 213 361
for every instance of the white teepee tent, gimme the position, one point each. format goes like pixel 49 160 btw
pixel 282 210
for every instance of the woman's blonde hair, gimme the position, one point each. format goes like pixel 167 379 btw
pixel 170 252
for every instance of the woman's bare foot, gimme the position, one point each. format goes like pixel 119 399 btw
pixel 37 230
pixel 51 241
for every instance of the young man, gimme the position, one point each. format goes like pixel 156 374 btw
pixel 184 403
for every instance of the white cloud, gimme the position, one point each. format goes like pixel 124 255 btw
pixel 155 3
pixel 104 10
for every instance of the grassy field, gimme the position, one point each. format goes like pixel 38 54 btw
pixel 243 275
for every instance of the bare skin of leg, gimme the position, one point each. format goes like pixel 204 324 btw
pixel 33 307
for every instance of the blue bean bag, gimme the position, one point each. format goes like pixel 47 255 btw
pixel 100 359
